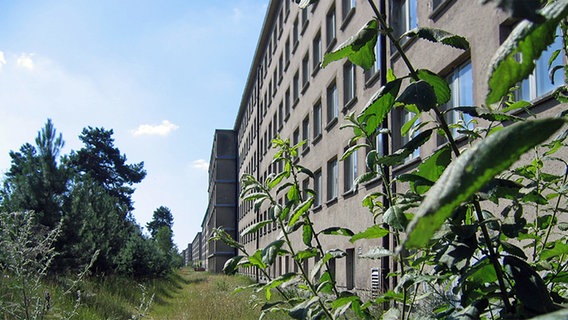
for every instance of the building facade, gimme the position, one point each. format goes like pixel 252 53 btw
pixel 197 250
pixel 223 194
pixel 288 94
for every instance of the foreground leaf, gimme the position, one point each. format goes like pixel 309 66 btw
pixel 359 49
pixel 472 170
pixel 439 36
pixel 372 232
pixel 529 40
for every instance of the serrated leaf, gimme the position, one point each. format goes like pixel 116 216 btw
pixel 270 252
pixel 439 36
pixel 231 265
pixel 338 231
pixel 306 254
pixel 255 196
pixel 529 40
pixel 379 106
pixel 359 49
pixel 377 253
pixel 300 210
pixel 277 282
pixel 472 170
pixel 513 249
pixel 431 169
pixel 395 217
pixel 307 234
pixel 372 232
pixel 440 85
pixel 419 93
pixel 255 227
pixel 529 286
pixel 559 248
pixel 401 154
pixel 256 259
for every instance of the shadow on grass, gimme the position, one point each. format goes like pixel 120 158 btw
pixel 168 287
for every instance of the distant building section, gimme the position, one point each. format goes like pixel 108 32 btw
pixel 197 251
pixel 222 210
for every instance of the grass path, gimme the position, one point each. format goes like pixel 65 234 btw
pixel 200 295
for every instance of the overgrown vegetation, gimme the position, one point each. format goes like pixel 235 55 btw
pixel 72 214
pixel 479 234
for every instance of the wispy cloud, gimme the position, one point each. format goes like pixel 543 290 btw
pixel 25 61
pixel 163 129
pixel 200 164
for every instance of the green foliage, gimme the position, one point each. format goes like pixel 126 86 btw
pixel 87 196
pixel 162 217
pixel 529 40
pixel 481 237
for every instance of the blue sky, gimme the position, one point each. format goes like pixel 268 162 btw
pixel 162 74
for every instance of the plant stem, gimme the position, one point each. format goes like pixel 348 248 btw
pixel 493 257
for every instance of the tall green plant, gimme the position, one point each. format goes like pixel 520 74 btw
pixel 480 236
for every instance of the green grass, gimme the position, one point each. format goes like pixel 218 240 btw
pixel 208 296
pixel 185 294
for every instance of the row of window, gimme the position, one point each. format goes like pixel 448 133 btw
pixel 264 100
pixel 285 264
pixel 327 107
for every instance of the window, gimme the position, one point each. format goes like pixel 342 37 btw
pixel 305 70
pixel 332 103
pixel 347 6
pixel 296 137
pixel 270 133
pixel 287 52
pixel 350 172
pixel 280 22
pixel 305 188
pixel 295 33
pixel 275 127
pixel 332 176
pixel 306 131
pixel 369 74
pixel 275 83
pixel 296 88
pixel 403 16
pixel 436 3
pixel 317 188
pixel 538 83
pixel 281 114
pixel 317 119
pixel 305 15
pixel 287 102
pixel 330 29
pixel 461 85
pixel 316 52
pixel 350 268
pixel 405 116
pixel 280 68
pixel 379 141
pixel 349 87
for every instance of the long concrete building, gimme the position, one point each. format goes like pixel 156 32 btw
pixel 289 94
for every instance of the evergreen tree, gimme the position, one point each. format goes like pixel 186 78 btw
pixel 162 217
pixel 36 181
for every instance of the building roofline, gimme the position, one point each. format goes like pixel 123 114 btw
pixel 269 20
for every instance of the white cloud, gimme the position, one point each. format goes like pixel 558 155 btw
pixel 2 59
pixel 162 129
pixel 25 61
pixel 200 164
